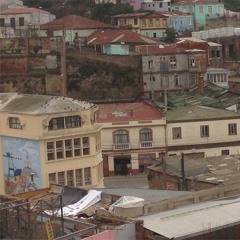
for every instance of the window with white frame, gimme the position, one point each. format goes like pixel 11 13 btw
pixel 192 80
pixel 150 22
pixel 87 176
pixel 200 9
pixel 146 137
pixel 173 62
pixel 79 177
pixel 176 133
pixel 232 129
pixel 191 9
pixel 210 9
pixel 204 131
pixel 65 149
pixel 14 122
pixel 121 139
pixel 52 178
pixel 61 178
pixel 70 178
pixel 143 22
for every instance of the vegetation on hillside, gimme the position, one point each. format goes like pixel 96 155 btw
pixel 233 5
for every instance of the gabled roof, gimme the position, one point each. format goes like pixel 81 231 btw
pixel 118 37
pixel 127 112
pixel 149 14
pixel 187 2
pixel 161 49
pixel 40 104
pixel 75 22
pixel 22 10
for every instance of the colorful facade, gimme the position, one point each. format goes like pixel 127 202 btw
pixel 47 139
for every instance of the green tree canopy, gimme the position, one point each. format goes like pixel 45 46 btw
pixel 171 35
pixel 233 5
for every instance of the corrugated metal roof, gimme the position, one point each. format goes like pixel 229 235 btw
pixel 40 104
pixel 192 112
pixel 195 219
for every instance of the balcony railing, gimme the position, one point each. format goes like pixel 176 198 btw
pixel 146 144
pixel 121 146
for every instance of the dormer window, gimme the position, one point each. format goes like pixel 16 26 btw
pixel 64 122
pixel 15 123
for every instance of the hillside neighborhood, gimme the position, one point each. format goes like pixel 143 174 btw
pixel 119 91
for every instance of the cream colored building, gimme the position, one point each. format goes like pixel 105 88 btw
pixel 203 131
pixel 133 135
pixel 48 139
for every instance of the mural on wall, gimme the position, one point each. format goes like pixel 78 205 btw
pixel 22 165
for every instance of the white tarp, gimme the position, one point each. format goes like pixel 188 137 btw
pixel 127 202
pixel 91 198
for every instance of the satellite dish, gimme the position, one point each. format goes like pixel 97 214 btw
pixel 161 46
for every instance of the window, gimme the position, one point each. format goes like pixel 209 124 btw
pixel 150 22
pixel 176 80
pixel 157 22
pixel 232 129
pixel 200 9
pixel 210 10
pixel 162 59
pixel 204 131
pixel 135 21
pixel 98 142
pixel 87 176
pixel 121 140
pixel 52 178
pixel 64 122
pixel 218 53
pixel 176 132
pixel 164 82
pixel 21 21
pixel 225 152
pixel 12 22
pixel 184 9
pixel 72 121
pixel 160 5
pixel 164 22
pixel 15 123
pixel 59 149
pixel 77 147
pixel 192 80
pixel 213 53
pixel 50 151
pixel 144 23
pixel 70 180
pixel 2 22
pixel 79 177
pixel 152 78
pixel 150 63
pixel 191 9
pixel 61 178
pixel 68 148
pixel 173 61
pixel 192 62
pixel 146 137
pixel 86 147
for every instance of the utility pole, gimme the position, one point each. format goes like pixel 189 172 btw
pixel 184 183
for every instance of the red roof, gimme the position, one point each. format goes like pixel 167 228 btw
pixel 118 36
pixel 128 112
pixel 22 10
pixel 161 49
pixel 75 22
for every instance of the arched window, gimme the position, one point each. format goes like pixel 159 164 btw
pixel 146 137
pixel 121 139
pixel 15 123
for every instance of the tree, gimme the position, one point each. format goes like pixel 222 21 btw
pixel 104 11
pixel 171 35
pixel 233 5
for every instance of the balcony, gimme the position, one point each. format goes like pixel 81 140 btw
pixel 146 144
pixel 121 146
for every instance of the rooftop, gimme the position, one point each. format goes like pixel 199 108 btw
pixel 22 10
pixel 118 36
pixel 193 220
pixel 185 2
pixel 39 104
pixel 128 112
pixel 161 49
pixel 198 113
pixel 210 169
pixel 75 22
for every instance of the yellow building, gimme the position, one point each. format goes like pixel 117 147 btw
pixel 48 139
pixel 133 136
pixel 150 24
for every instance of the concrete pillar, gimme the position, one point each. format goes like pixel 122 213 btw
pixel 111 166
pixel 134 163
